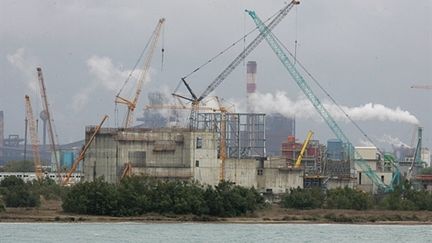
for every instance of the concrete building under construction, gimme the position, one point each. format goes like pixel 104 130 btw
pixel 189 154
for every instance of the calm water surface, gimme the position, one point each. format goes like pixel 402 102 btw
pixel 198 232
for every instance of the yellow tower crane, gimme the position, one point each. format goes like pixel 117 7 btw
pixel 34 138
pixel 303 149
pixel 131 104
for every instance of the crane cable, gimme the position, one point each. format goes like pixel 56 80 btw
pixel 131 73
pixel 328 95
pixel 136 63
pixel 243 38
pixel 163 49
pixel 296 35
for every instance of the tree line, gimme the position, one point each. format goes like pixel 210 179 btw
pixel 403 197
pixel 137 195
pixel 15 192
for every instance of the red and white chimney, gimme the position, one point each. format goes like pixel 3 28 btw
pixel 251 67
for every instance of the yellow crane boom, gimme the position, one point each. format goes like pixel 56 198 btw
pixel 303 149
pixel 51 130
pixel 34 139
pixel 83 151
pixel 127 171
pixel 131 104
pixel 222 139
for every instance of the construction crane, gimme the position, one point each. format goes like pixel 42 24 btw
pixel 303 149
pixel 51 130
pixel 412 171
pixel 131 104
pixel 298 78
pixel 83 151
pixel 222 139
pixel 127 171
pixel 421 87
pixel 239 59
pixel 34 138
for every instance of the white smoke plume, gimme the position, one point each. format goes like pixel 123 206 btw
pixel 366 143
pixel 26 64
pixel 280 103
pixel 396 142
pixel 107 76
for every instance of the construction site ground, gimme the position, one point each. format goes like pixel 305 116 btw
pixel 51 211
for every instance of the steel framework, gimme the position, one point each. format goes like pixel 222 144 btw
pixel 244 132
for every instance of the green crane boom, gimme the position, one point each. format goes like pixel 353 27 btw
pixel 295 74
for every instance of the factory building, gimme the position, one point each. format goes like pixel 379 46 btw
pixel 312 157
pixel 372 157
pixel 278 128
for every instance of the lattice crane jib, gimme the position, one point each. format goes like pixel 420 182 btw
pixel 83 151
pixel 132 103
pixel 34 138
pixel 233 65
pixel 298 78
pixel 51 128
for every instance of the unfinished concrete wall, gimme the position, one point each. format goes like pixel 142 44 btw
pixel 241 171
pixel 341 183
pixel 279 180
pixel 203 153
pixel 101 157
pixel 162 153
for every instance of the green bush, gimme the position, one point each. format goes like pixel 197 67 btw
pixel 138 195
pixel 404 197
pixel 96 198
pixel 2 206
pixel 16 193
pixel 47 188
pixel 308 198
pixel 340 198
pixel 228 199
pixel 347 198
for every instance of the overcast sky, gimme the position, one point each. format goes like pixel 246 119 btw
pixel 362 52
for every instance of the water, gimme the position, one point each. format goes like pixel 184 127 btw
pixel 203 232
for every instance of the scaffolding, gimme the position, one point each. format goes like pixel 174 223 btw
pixel 244 132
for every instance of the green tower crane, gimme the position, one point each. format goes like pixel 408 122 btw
pixel 301 82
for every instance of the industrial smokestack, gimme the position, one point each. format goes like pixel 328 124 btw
pixel 250 83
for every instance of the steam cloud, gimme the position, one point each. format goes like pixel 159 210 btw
pixel 106 75
pixel 26 64
pixel 396 142
pixel 280 103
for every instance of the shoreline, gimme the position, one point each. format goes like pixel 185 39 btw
pixel 51 212
pixel 161 219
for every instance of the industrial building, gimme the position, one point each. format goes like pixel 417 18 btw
pixel 278 128
pixel 181 153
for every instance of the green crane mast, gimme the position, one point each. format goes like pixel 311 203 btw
pixel 295 74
